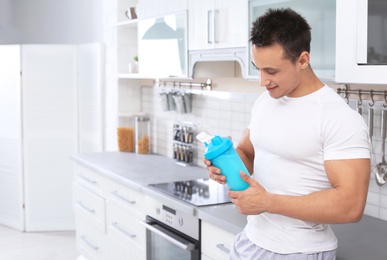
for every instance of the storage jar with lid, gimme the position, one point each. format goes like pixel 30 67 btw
pixel 143 135
pixel 125 133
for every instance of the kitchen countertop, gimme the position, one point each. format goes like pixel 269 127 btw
pixel 360 241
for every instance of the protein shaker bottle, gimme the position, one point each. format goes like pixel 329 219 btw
pixel 221 152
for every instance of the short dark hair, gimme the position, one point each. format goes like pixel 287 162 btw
pixel 285 27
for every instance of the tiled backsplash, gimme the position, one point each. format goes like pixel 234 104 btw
pixel 228 114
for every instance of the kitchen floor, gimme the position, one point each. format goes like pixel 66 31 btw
pixel 15 245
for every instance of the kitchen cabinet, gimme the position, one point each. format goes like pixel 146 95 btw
pixel 217 24
pixel 321 16
pixel 107 217
pixel 49 110
pixel 216 243
pixel 351 17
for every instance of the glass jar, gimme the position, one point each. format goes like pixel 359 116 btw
pixel 125 133
pixel 143 136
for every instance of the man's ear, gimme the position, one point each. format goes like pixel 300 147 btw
pixel 304 60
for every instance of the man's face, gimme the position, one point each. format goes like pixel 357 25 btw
pixel 279 75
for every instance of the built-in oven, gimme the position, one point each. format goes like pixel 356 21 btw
pixel 171 234
pixel 173 229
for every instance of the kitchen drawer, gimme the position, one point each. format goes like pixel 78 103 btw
pixel 90 206
pixel 91 243
pixel 124 226
pixel 91 180
pixel 127 237
pixel 215 241
pixel 127 199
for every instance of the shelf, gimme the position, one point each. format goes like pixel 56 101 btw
pixel 132 76
pixel 128 23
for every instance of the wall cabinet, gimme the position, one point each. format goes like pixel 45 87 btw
pixel 349 21
pixel 216 243
pixel 49 108
pixel 108 218
pixel 217 24
pixel 321 16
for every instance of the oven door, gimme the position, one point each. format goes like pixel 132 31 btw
pixel 164 242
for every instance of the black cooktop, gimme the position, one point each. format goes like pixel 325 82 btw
pixel 200 192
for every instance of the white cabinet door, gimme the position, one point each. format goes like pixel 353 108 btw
pixel 216 242
pixel 49 134
pixel 200 24
pixel 11 173
pixel 231 23
pixel 347 26
pixel 217 24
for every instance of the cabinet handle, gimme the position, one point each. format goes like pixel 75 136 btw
pixel 84 239
pixel 88 179
pixel 129 200
pixel 209 14
pixel 216 22
pixel 223 248
pixel 170 237
pixel 80 203
pixel 123 230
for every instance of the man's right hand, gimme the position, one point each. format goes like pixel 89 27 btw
pixel 214 173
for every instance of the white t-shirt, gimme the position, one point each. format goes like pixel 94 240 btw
pixel 292 137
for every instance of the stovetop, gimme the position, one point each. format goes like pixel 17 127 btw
pixel 199 192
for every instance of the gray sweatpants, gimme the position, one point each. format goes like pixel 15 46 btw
pixel 244 249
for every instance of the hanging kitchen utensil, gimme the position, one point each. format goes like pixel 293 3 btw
pixel 371 116
pixel 179 102
pixel 380 174
pixel 187 102
pixel 359 108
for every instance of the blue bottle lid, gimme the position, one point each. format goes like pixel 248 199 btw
pixel 217 146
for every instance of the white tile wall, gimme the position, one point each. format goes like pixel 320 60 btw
pixel 377 196
pixel 228 113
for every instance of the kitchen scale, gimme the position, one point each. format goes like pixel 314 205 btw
pixel 199 192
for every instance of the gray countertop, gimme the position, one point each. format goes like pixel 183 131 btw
pixel 361 241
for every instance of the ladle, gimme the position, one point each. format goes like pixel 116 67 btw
pixel 381 167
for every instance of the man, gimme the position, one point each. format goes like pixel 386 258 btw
pixel 307 149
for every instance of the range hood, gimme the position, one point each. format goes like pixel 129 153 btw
pixel 225 54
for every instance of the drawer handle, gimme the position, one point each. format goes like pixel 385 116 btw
pixel 80 203
pixel 123 230
pixel 223 248
pixel 88 179
pixel 89 243
pixel 115 193
pixel 173 238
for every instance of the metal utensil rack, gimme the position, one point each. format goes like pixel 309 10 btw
pixel 380 169
pixel 361 93
pixel 161 82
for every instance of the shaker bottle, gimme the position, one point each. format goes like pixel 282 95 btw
pixel 220 151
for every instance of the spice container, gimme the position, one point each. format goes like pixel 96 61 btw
pixel 143 137
pixel 125 133
pixel 183 142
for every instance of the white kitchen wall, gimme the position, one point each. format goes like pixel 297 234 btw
pixel 51 22
pixel 228 113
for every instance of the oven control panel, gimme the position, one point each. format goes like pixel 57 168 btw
pixel 185 223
